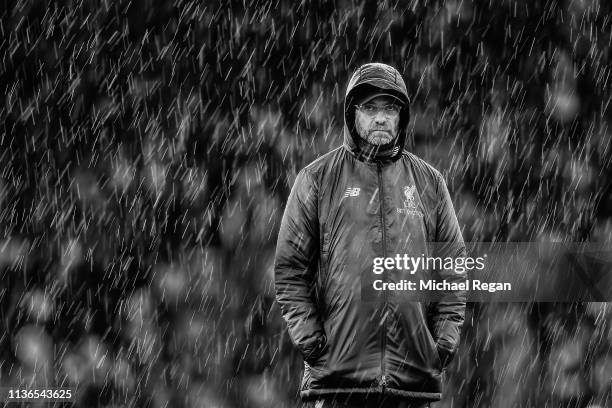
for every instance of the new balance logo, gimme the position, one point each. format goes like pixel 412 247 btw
pixel 352 192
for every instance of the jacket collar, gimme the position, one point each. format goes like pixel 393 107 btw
pixel 368 152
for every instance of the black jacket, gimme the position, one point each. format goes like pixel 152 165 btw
pixel 332 229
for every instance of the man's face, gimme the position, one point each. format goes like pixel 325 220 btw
pixel 374 123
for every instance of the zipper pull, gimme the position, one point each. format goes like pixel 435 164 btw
pixel 383 380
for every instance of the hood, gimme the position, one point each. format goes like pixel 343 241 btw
pixel 370 78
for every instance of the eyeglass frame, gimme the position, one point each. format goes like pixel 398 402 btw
pixel 382 109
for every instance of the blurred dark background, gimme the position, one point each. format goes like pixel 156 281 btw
pixel 147 150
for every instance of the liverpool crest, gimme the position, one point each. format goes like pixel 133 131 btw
pixel 410 204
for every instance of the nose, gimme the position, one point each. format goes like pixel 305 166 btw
pixel 380 117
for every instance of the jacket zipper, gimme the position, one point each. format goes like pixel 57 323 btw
pixel 383 335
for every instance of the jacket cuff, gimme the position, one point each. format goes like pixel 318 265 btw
pixel 446 355
pixel 446 334
pixel 315 349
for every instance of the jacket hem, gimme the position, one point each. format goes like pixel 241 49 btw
pixel 312 393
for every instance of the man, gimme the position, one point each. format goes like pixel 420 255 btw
pixel 368 199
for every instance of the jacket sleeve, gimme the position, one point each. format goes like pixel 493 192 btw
pixel 448 313
pixel 294 267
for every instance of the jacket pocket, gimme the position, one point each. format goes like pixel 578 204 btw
pixel 316 371
pixel 428 348
pixel 411 341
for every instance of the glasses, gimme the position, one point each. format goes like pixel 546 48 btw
pixel 388 110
